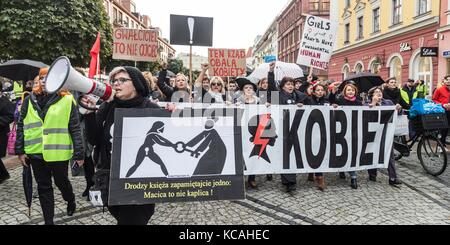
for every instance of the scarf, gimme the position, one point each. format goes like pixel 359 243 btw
pixel 353 99
pixel 132 103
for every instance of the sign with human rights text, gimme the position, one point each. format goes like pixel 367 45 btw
pixel 318 41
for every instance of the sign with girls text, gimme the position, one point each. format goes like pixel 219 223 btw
pixel 135 45
pixel 185 156
pixel 227 62
pixel 318 41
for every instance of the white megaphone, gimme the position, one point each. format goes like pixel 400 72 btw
pixel 61 75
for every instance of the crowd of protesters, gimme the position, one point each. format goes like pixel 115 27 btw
pixel 65 138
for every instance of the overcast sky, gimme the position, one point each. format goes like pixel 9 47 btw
pixel 236 22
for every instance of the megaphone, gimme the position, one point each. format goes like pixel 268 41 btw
pixel 62 75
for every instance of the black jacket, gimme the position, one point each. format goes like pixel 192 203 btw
pixel 392 95
pixel 318 101
pixel 6 118
pixel 74 126
pixel 265 95
pixel 98 128
pixel 343 102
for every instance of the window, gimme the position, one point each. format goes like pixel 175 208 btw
pixel 359 68
pixel 347 3
pixel 396 68
pixel 347 33
pixel 422 69
pixel 115 14
pixel 120 17
pixel 360 28
pixel 126 21
pixel 345 72
pixel 376 20
pixel 397 11
pixel 375 67
pixel 422 7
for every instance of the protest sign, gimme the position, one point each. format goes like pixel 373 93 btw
pixel 318 40
pixel 135 45
pixel 227 62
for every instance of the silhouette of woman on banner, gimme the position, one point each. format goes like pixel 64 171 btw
pixel 213 161
pixel 146 150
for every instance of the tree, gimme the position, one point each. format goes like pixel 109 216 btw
pixel 175 65
pixel 46 29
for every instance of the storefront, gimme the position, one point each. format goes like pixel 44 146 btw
pixel 390 55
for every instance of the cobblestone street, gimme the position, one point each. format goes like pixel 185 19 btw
pixel 423 199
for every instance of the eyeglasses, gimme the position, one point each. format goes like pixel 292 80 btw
pixel 42 78
pixel 121 80
pixel 216 84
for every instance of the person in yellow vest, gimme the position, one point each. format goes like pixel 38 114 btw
pixel 48 136
pixel 18 90
pixel 408 94
pixel 421 89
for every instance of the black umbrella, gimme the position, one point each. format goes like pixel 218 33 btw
pixel 21 70
pixel 27 181
pixel 364 81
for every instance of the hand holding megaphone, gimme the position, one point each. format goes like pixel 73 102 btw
pixel 62 75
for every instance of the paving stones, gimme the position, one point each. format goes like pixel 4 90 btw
pixel 422 200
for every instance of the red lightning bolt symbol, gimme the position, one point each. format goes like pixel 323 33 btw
pixel 263 121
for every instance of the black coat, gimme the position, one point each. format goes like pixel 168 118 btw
pixel 74 125
pixel 318 101
pixel 98 128
pixel 392 95
pixel 6 118
pixel 285 98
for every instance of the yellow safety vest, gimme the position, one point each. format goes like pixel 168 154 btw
pixel 405 96
pixel 18 89
pixel 50 137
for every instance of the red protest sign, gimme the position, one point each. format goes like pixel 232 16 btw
pixel 227 62
pixel 135 44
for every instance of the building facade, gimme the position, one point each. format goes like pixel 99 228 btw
pixel 386 37
pixel 444 40
pixel 197 61
pixel 290 25
pixel 123 14
pixel 266 45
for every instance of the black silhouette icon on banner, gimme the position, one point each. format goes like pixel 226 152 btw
pixel 146 150
pixel 263 131
pixel 213 161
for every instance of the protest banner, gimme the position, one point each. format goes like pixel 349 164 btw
pixel 318 40
pixel 135 45
pixel 198 153
pixel 227 62
pixel 285 139
pixel 191 157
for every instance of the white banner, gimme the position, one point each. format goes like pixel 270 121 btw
pixel 318 41
pixel 285 139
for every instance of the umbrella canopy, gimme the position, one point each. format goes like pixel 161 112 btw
pixel 21 70
pixel 364 81
pixel 27 181
pixel 282 69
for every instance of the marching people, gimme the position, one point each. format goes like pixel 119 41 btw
pixel 349 97
pixel 318 98
pixel 287 96
pixel 180 93
pixel 442 96
pixel 408 94
pixel 215 92
pixel 421 88
pixel 391 91
pixel 131 91
pixel 6 118
pixel 155 93
pixel 48 136
pixel 233 91
pixel 375 96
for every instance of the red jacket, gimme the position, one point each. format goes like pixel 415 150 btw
pixel 442 96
